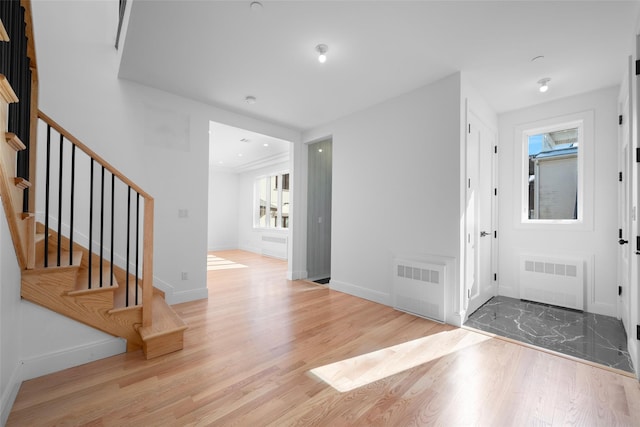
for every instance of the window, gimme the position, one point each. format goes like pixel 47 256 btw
pixel 553 174
pixel 556 172
pixel 272 201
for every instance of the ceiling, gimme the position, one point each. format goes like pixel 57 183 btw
pixel 220 52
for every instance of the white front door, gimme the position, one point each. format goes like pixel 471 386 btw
pixel 624 204
pixel 479 272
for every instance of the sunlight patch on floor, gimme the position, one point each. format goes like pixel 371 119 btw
pixel 359 371
pixel 217 263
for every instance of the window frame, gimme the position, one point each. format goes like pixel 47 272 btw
pixel 256 200
pixel 584 122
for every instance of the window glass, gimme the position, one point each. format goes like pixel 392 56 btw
pixel 261 186
pixel 553 174
pixel 272 201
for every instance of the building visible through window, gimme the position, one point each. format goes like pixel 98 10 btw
pixel 272 201
pixel 553 174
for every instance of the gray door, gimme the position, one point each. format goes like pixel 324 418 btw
pixel 319 210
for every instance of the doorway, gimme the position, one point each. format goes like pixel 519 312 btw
pixel 319 192
pixel 249 198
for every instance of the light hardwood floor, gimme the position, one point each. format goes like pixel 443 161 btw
pixel 250 349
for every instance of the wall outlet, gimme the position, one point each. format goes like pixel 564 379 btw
pixel 183 213
pixel 184 275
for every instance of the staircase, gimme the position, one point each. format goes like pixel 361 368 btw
pixel 90 257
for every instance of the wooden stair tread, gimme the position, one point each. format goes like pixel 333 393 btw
pixel 64 257
pixel 6 91
pixel 14 142
pixel 82 282
pixel 164 321
pixel 21 183
pixel 120 296
pixel 4 36
pixel 39 238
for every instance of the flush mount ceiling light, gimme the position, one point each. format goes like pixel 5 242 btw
pixel 256 6
pixel 250 100
pixel 544 84
pixel 322 50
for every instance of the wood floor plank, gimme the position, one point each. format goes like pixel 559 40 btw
pixel 251 347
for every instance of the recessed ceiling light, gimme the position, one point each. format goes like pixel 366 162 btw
pixel 239 154
pixel 250 100
pixel 322 50
pixel 319 150
pixel 265 145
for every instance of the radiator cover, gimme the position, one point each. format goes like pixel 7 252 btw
pixel 553 280
pixel 419 288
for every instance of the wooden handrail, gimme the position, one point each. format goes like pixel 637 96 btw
pixel 93 155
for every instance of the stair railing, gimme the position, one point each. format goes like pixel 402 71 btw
pixel 114 216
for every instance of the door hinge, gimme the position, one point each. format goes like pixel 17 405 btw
pixel 469 127
pixel 495 149
pixel 495 234
pixel 620 119
pixel 495 191
pixel 619 290
pixel 620 176
pixel 637 67
pixel 495 277
pixel 469 183
pixel 469 293
pixel 619 233
pixel 638 332
pixel 638 155
pixel 637 243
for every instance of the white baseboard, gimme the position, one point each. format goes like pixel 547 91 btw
pixel 56 361
pixel 359 291
pixel 223 248
pixel 186 296
pixel 176 297
pixel 10 393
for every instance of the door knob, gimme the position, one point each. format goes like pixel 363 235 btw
pixel 484 233
pixel 622 241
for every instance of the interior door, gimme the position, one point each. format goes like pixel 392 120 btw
pixel 319 194
pixel 479 281
pixel 624 203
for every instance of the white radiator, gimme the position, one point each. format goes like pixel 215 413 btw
pixel 274 246
pixel 550 280
pixel 419 288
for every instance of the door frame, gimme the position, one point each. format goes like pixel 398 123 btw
pixel 474 118
pixel 625 191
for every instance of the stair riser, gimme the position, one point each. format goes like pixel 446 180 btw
pixel 63 280
pixel 88 309
pixel 164 344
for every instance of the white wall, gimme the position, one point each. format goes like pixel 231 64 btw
pixel 396 187
pixel 10 330
pixel 250 238
pixel 79 88
pixel 223 210
pixel 597 244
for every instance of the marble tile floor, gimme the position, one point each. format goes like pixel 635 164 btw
pixel 589 336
